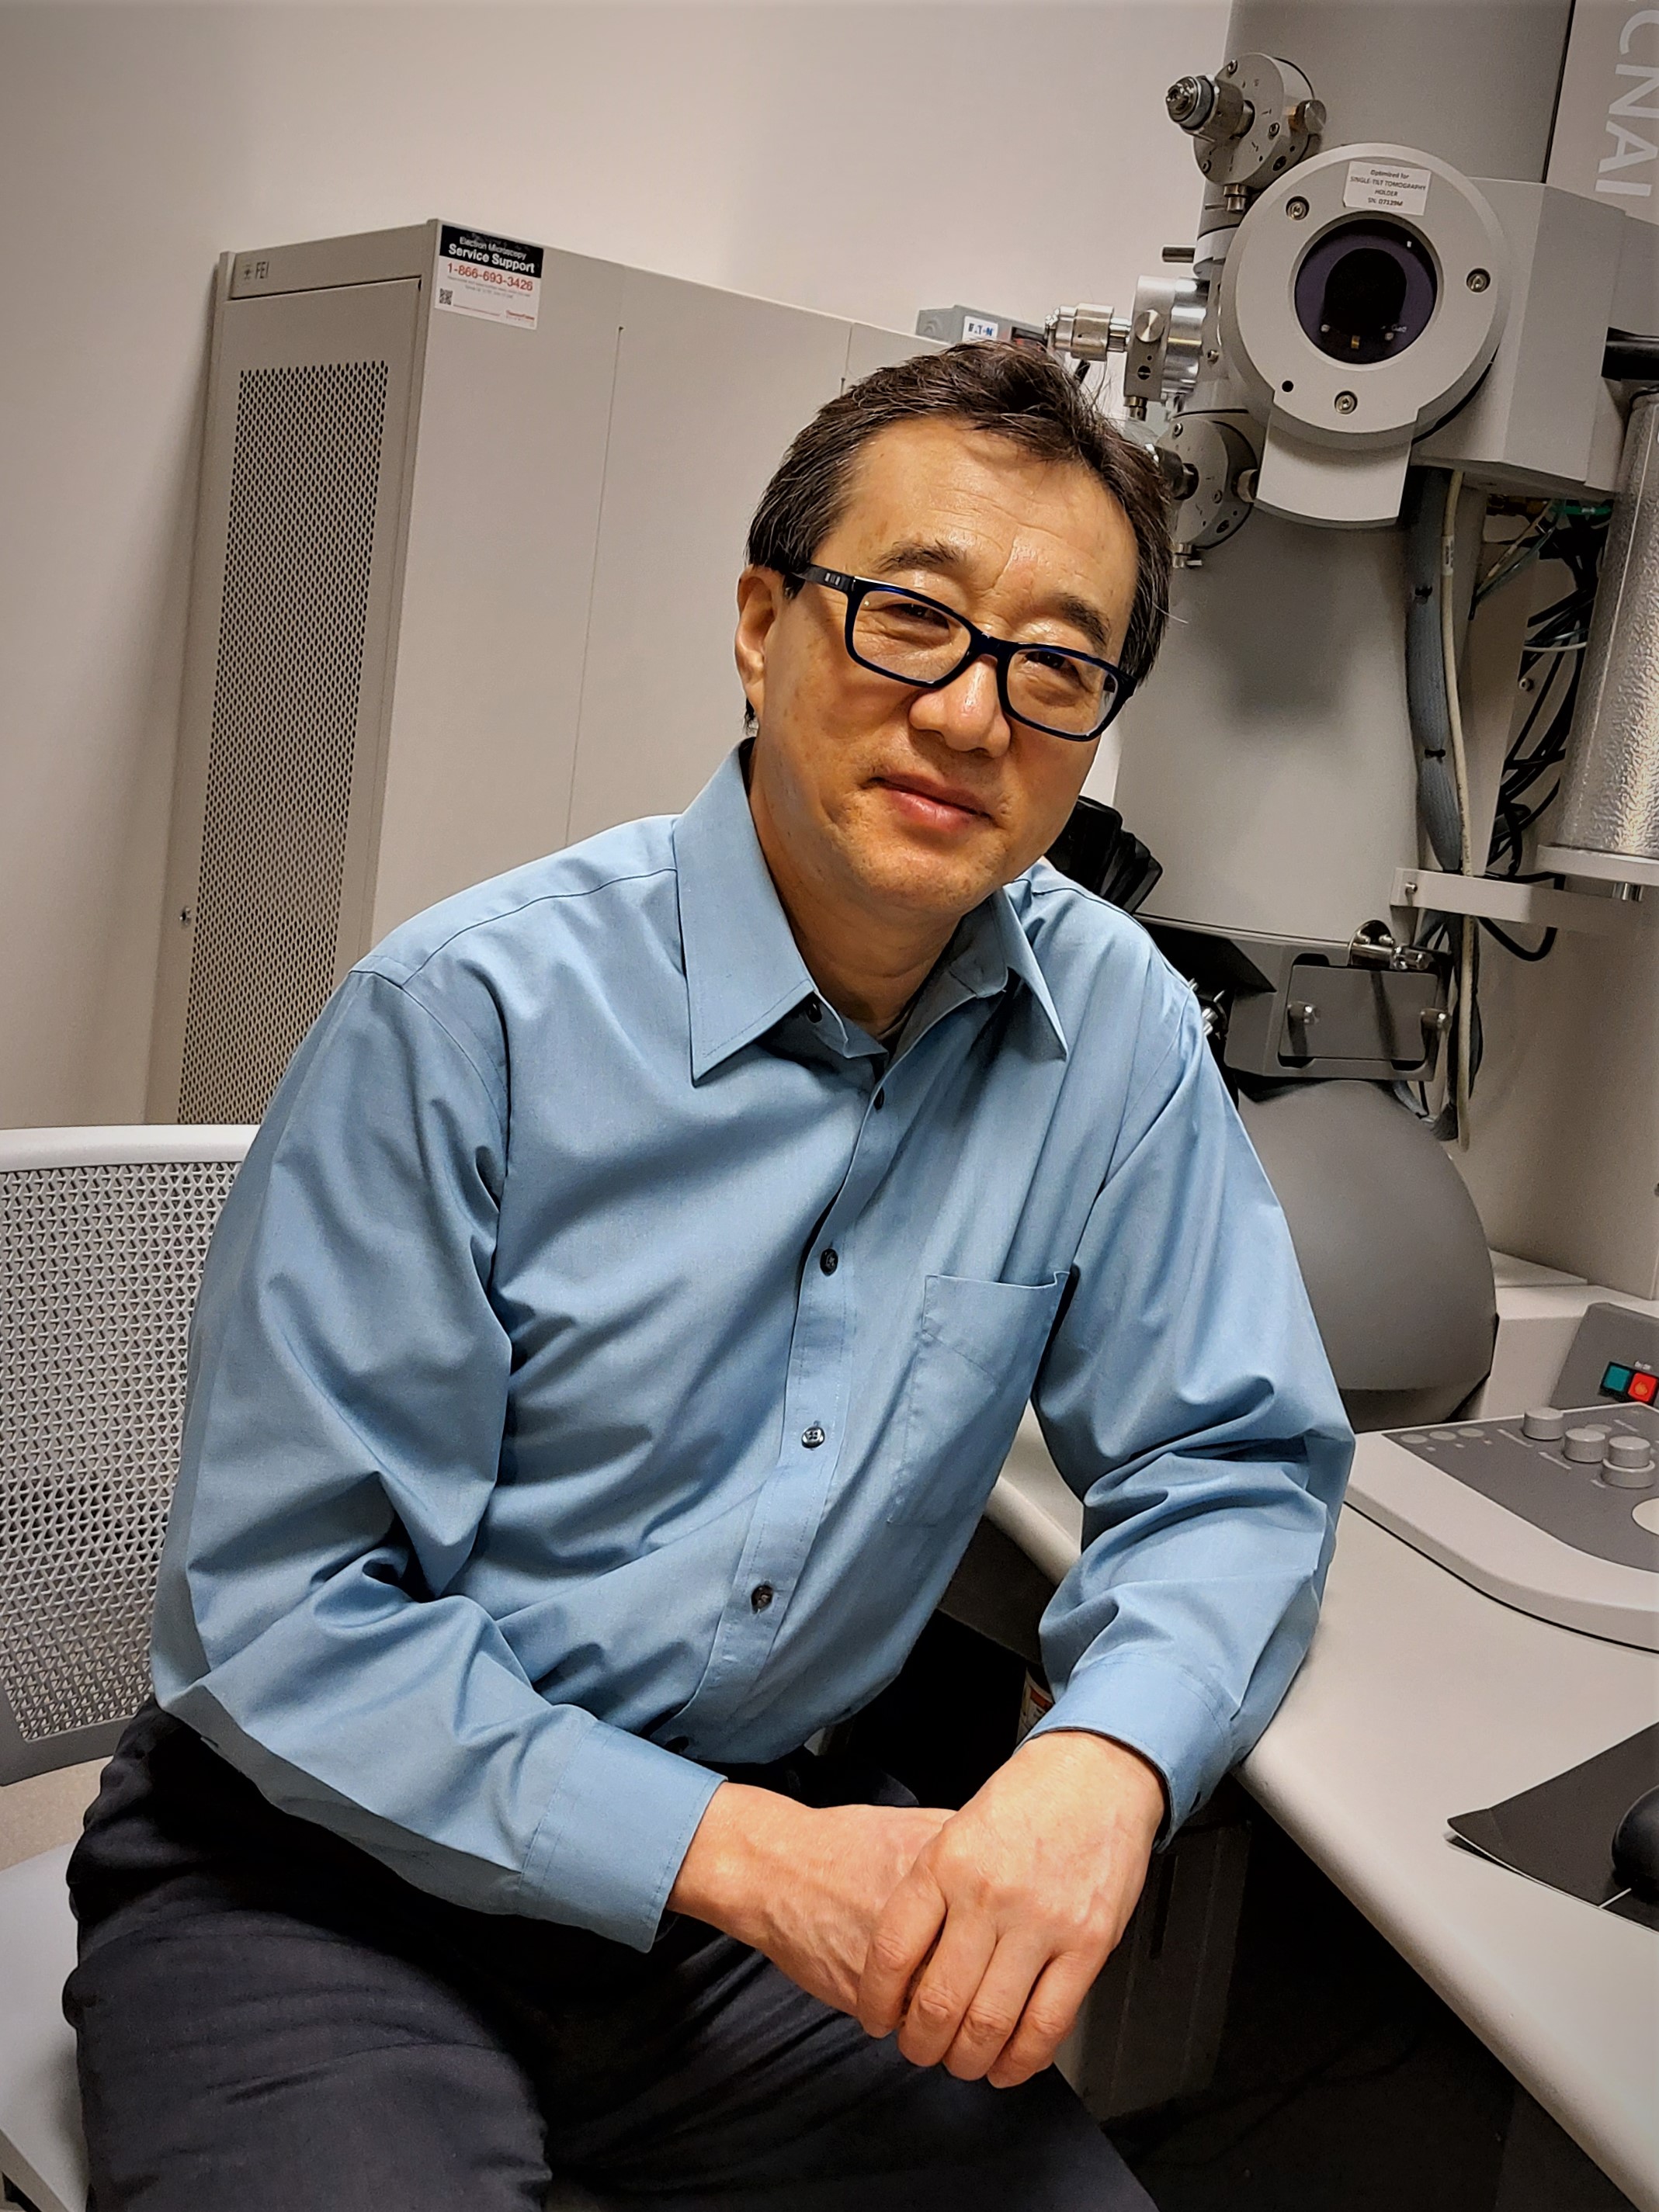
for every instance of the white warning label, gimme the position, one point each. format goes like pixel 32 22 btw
pixel 1392 186
pixel 498 280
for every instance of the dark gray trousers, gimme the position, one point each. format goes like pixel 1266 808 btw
pixel 269 2020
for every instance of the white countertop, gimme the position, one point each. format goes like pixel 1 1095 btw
pixel 1422 1697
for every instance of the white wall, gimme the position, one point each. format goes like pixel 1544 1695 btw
pixel 863 159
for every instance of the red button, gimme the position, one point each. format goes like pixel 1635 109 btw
pixel 1643 1387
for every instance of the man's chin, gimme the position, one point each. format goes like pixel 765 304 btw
pixel 904 874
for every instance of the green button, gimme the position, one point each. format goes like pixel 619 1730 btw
pixel 1617 1379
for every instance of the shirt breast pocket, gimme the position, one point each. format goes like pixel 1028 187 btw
pixel 976 1356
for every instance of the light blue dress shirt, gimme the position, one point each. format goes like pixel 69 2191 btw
pixel 606 1352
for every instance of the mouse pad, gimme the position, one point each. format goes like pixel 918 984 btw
pixel 1561 1832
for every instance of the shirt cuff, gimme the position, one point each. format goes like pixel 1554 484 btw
pixel 607 1853
pixel 1156 1711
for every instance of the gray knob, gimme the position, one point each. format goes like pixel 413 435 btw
pixel 1629 1463
pixel 1587 1446
pixel 1543 1425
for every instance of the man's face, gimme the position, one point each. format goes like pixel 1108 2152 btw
pixel 924 802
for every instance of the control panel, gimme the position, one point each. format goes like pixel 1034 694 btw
pixel 1554 1510
pixel 1584 1476
pixel 1614 1359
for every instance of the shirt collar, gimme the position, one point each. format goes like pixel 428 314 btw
pixel 744 971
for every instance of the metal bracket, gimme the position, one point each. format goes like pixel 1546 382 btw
pixel 1425 890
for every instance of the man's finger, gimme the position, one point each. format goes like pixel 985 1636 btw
pixel 994 2012
pixel 899 1942
pixel 946 1987
pixel 1047 2021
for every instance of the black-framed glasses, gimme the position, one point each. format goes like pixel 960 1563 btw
pixel 914 640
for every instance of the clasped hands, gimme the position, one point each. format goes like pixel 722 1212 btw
pixel 975 1935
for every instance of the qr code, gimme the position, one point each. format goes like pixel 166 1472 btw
pixel 446 297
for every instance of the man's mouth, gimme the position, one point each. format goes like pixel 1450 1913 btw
pixel 933 805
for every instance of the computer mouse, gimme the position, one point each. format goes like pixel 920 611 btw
pixel 1636 1846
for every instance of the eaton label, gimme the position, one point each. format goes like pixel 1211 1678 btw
pixel 496 280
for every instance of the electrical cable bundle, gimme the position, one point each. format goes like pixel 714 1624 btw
pixel 1552 659
pixel 1564 530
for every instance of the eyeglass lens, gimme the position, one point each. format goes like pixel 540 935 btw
pixel 917 643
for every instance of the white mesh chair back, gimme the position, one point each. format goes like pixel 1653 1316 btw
pixel 102 1236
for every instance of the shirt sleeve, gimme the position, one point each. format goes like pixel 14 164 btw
pixel 1187 1399
pixel 348 1389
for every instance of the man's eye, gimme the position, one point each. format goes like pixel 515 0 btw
pixel 1054 668
pixel 915 616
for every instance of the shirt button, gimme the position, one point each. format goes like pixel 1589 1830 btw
pixel 812 1437
pixel 761 1596
pixel 830 1260
pixel 879 1100
pixel 813 1009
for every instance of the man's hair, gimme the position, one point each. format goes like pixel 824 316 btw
pixel 1017 394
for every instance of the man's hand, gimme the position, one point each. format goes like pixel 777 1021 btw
pixel 806 1886
pixel 988 1945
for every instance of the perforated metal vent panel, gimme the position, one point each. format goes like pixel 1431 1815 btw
pixel 305 469
pixel 99 1269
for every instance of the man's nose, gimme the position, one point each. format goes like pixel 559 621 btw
pixel 966 713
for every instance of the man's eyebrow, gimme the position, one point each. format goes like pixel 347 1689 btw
pixel 939 554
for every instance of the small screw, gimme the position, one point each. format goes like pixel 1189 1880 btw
pixel 1273 130
pixel 1345 403
pixel 184 916
pixel 1229 70
pixel 1297 208
pixel 1477 280
pixel 1212 354
pixel 1526 684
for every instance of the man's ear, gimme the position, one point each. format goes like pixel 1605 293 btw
pixel 760 602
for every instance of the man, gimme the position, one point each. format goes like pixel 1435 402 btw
pixel 604 1357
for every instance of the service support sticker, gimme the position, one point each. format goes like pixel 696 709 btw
pixel 496 279
pixel 1393 186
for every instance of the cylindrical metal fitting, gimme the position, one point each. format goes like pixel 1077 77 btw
pixel 1610 789
pixel 1087 333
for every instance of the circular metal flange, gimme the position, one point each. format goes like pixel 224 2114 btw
pixel 1455 240
pixel 1275 103
pixel 1206 457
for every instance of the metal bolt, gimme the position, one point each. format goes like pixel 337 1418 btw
pixel 1273 130
pixel 1526 684
pixel 1297 208
pixel 1345 403
pixel 1229 68
pixel 1212 354
pixel 1477 280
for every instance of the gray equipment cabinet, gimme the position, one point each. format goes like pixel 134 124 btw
pixel 462 593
